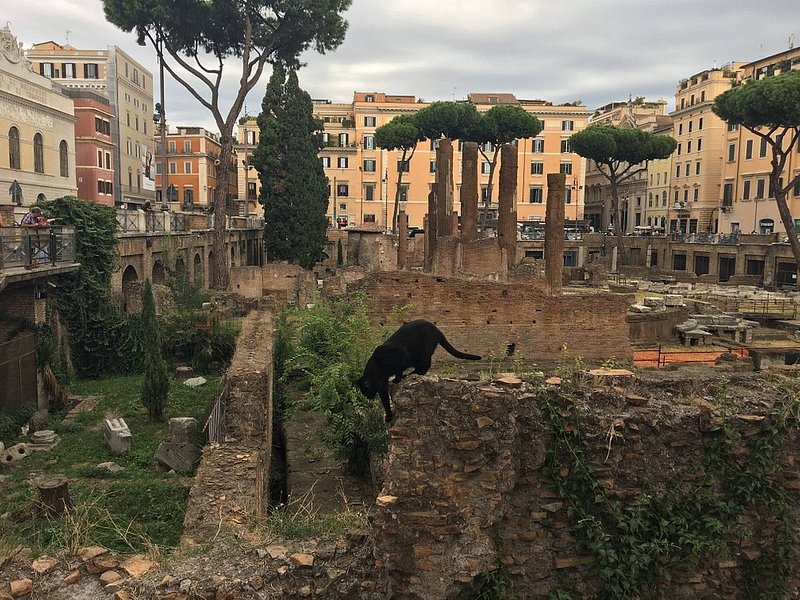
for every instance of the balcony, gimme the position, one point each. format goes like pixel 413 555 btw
pixel 22 248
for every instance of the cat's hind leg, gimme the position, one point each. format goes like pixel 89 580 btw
pixel 387 406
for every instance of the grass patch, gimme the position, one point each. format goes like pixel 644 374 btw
pixel 296 526
pixel 139 509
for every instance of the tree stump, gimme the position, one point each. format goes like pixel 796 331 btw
pixel 53 496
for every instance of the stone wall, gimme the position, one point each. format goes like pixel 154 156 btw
pixel 289 284
pixel 467 464
pixel 486 317
pixel 230 487
pixel 655 328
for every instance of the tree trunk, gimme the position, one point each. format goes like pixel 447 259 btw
pixel 615 210
pixel 53 496
pixel 788 223
pixel 489 186
pixel 220 201
pixel 397 191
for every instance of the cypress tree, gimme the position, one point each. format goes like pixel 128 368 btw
pixel 156 377
pixel 293 184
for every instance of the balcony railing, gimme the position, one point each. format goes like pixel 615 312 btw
pixel 730 239
pixel 28 248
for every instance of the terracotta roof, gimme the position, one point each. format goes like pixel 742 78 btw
pixel 487 98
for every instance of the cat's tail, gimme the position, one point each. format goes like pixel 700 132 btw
pixel 447 346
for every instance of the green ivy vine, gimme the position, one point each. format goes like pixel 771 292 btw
pixel 635 546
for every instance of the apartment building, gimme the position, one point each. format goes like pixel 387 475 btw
pixel 193 168
pixel 659 210
pixel 248 185
pixel 641 201
pixel 697 163
pixel 128 86
pixel 747 201
pixel 37 132
pixel 363 178
pixel 94 147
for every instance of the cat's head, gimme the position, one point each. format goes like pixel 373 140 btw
pixel 368 387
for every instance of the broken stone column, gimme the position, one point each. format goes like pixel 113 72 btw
pixel 507 211
pixel 402 240
pixel 117 436
pixel 430 231
pixel 180 452
pixel 444 188
pixel 554 231
pixel 469 192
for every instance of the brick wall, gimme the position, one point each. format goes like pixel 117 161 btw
pixel 467 461
pixel 288 283
pixel 230 487
pixel 486 317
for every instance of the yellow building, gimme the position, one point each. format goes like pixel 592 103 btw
pixel 37 132
pixel 747 200
pixel 659 207
pixel 129 89
pixel 697 163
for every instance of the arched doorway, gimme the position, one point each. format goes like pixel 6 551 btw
pixel 198 270
pixel 158 273
pixel 180 269
pixel 129 289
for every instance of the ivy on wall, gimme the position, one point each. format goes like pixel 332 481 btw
pixel 638 545
pixel 103 339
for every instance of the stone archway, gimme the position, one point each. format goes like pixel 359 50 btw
pixel 198 270
pixel 211 270
pixel 158 273
pixel 130 289
pixel 180 269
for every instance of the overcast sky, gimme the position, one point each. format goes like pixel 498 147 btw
pixel 596 51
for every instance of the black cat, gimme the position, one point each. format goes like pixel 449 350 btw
pixel 410 346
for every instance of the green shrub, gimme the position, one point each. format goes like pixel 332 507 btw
pixel 195 338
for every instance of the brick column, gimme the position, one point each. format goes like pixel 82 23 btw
pixel 507 212
pixel 554 231
pixel 444 188
pixel 469 192
pixel 402 241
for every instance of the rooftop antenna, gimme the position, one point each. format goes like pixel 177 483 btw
pixel 68 32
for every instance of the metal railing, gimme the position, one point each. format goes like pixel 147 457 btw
pixel 128 220
pixel 730 239
pixel 28 248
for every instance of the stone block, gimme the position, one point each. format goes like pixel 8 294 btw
pixel 117 436
pixel 182 429
pixel 673 300
pixel 640 308
pixel 195 382
pixel 44 439
pixel 15 453
pixel 179 456
pixel 655 302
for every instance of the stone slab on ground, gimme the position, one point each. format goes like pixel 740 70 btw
pixel 117 436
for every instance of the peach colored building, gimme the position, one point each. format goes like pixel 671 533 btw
pixel 129 89
pixel 363 177
pixel 94 148
pixel 193 166
pixel 747 202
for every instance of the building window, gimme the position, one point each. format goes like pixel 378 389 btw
pixel 46 69
pixel 746 190
pixel 172 146
pixel 343 140
pixel 173 168
pixel 90 71
pixel 187 167
pixel 187 146
pixel 538 145
pixel 566 168
pixel 688 166
pixel 370 98
pixel 567 125
pixel 700 120
pixel 100 158
pixel 679 149
pixel 369 121
pixel 697 168
pixel 699 144
pixel 403 165
pixel 678 262
pixel 369 192
pixel 690 125
pixel 63 159
pixel 342 190
pixel 369 142
pixel 326 161
pixel 762 151
pixel 748 149
pixel 567 195
pixel 486 166
pixel 535 195
pixel 341 162
pixel 188 197
pixel 696 194
pixel 796 191
pixel 68 70
pixel 158 168
pixel 565 146
pixel 369 218
pixel 754 267
pixel 727 194
pixel 13 148
pixel 685 196
pixel 689 147
pixel 760 184
pixel 680 125
pixel 369 165
pixel 432 167
pixel 38 153
pixel 101 186
pixel 537 168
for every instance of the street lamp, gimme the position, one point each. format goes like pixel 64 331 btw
pixel 160 116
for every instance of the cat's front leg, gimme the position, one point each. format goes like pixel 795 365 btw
pixel 387 407
pixel 398 377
